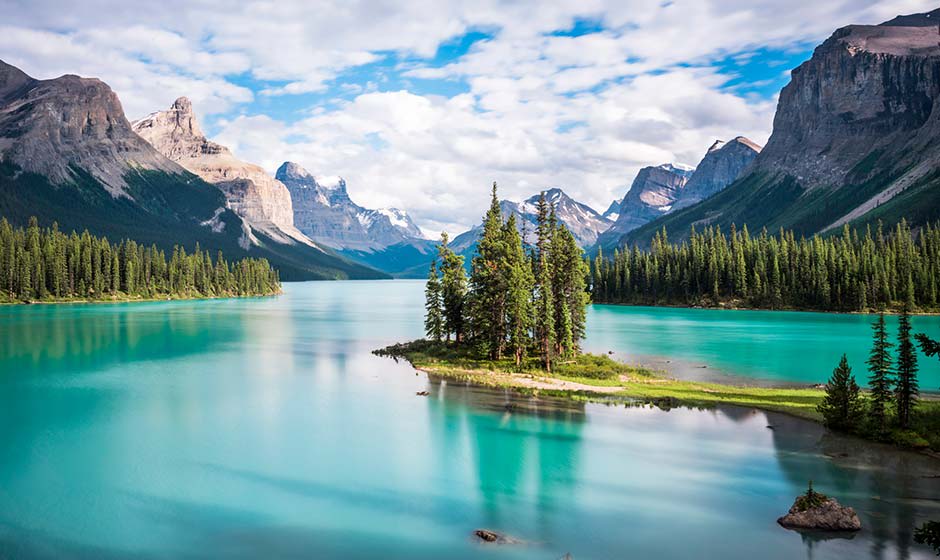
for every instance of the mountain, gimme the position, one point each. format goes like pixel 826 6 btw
pixel 69 155
pixel 324 212
pixel 581 220
pixel 722 164
pixel 652 194
pixel 855 140
pixel 613 211
pixel 262 201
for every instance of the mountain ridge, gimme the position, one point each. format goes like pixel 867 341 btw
pixel 854 140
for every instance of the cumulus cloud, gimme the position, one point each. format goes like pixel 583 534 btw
pixel 536 108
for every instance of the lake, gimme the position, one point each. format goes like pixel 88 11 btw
pixel 266 428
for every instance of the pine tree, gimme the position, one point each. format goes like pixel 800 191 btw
pixel 906 388
pixel 434 318
pixel 488 284
pixel 842 408
pixel 453 290
pixel 545 318
pixel 879 381
pixel 545 313
pixel 519 311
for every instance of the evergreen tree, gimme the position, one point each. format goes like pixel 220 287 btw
pixel 488 284
pixel 453 290
pixel 519 307
pixel 906 388
pixel 842 408
pixel 879 381
pixel 545 318
pixel 434 318
pixel 545 313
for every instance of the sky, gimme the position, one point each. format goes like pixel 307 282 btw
pixel 422 105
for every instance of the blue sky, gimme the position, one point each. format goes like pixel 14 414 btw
pixel 421 105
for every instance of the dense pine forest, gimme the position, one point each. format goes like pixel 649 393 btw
pixel 518 301
pixel 47 264
pixel 851 271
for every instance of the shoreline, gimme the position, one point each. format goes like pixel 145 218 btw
pixel 76 301
pixel 890 311
pixel 642 386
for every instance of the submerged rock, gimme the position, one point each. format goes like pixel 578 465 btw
pixel 828 515
pixel 487 536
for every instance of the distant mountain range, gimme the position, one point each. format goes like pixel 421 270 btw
pixel 855 140
pixel 69 155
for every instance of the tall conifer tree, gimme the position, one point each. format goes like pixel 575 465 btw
pixel 906 388
pixel 879 380
pixel 434 317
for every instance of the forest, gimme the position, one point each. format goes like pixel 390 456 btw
pixel 849 271
pixel 45 264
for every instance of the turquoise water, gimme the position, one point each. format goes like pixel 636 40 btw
pixel 265 428
pixel 769 346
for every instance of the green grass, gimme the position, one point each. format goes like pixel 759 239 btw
pixel 597 375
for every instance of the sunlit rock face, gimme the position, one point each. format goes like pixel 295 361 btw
pixel 52 127
pixel 261 200
pixel 653 193
pixel 723 163
pixel 324 211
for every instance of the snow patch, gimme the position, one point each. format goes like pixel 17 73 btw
pixel 329 181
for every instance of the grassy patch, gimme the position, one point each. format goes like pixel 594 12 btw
pixel 593 377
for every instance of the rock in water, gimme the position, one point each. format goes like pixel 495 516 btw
pixel 487 536
pixel 827 516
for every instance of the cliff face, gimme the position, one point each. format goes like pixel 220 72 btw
pixel 722 164
pixel 653 193
pixel 324 211
pixel 856 139
pixel 262 201
pixel 51 127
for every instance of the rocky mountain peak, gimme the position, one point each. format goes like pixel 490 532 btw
pixel 722 164
pixel 716 146
pixel 262 201
pixel 183 105
pixel 854 139
pixel 50 127
pixel 290 171
pixel 324 211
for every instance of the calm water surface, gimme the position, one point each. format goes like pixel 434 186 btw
pixel 767 347
pixel 265 429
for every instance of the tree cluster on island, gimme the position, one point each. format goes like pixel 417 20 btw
pixel 519 299
pixel 851 271
pixel 47 264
